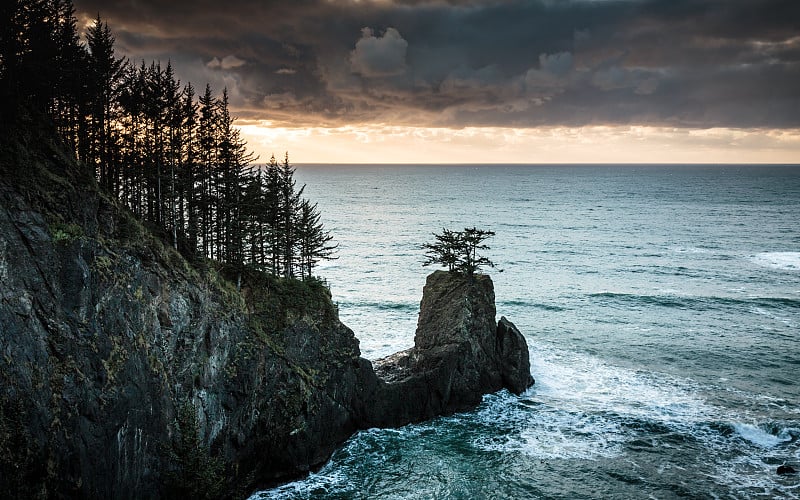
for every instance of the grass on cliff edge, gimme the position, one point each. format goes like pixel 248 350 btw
pixel 274 303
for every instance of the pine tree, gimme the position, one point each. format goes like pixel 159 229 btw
pixel 105 77
pixel 314 242
pixel 272 213
pixel 233 161
pixel 207 139
pixel 458 250
pixel 289 207
pixel 189 168
pixel 173 121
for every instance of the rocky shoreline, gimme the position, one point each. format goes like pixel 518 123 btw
pixel 127 372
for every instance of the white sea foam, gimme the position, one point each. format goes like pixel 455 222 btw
pixel 752 475
pixel 550 433
pixel 691 250
pixel 580 406
pixel 586 382
pixel 314 484
pixel 759 436
pixel 785 261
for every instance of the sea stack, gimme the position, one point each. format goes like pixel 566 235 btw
pixel 460 353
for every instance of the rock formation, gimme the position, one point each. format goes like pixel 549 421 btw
pixel 459 354
pixel 126 372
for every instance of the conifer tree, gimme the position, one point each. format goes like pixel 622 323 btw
pixel 289 207
pixel 105 77
pixel 458 250
pixel 177 162
pixel 207 138
pixel 314 242
pixel 188 199
pixel 272 213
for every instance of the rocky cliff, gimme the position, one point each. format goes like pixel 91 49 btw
pixel 127 373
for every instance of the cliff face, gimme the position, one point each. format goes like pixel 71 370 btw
pixel 127 373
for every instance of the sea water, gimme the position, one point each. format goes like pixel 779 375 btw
pixel 661 305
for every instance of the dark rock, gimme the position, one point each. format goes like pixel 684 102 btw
pixel 514 358
pixel 106 335
pixel 125 373
pixel 786 469
pixel 459 354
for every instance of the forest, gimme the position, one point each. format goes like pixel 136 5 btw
pixel 170 154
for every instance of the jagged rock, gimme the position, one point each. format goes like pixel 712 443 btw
pixel 106 334
pixel 514 357
pixel 459 354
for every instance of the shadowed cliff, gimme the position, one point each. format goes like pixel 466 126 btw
pixel 126 372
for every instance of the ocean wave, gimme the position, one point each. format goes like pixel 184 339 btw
pixel 784 261
pixel 583 408
pixel 382 306
pixel 690 250
pixel 762 436
pixel 523 303
pixel 697 303
pixel 755 451
pixel 553 433
pixel 585 381
pixel 314 486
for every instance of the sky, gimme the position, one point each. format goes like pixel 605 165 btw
pixel 486 81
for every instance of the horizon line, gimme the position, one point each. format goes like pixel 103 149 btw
pixel 444 164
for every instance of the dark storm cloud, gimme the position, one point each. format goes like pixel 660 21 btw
pixel 692 63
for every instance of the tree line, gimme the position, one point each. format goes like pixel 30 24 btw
pixel 173 157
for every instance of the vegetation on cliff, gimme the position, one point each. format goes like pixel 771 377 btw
pixel 175 160
pixel 127 371
pixel 458 250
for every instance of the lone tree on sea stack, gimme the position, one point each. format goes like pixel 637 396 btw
pixel 458 250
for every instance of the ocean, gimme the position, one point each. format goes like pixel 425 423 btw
pixel 660 303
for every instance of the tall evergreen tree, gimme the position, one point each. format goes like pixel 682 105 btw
pixel 207 138
pixel 314 242
pixel 188 200
pixel 105 78
pixel 290 198
pixel 272 213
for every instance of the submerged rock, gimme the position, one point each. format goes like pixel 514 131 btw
pixel 786 469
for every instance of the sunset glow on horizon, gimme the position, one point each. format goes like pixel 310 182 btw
pixel 375 144
pixel 487 81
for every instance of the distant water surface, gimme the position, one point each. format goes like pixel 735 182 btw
pixel 661 305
